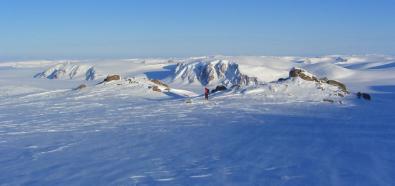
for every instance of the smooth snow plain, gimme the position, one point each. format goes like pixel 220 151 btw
pixel 125 134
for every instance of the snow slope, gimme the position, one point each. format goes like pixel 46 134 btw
pixel 125 133
pixel 329 70
pixel 295 90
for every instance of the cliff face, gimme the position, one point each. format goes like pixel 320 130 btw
pixel 212 72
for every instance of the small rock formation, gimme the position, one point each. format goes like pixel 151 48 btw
pixel 340 59
pixel 218 88
pixel 282 79
pixel 338 84
pixel 158 82
pixel 132 81
pixel 365 96
pixel 188 101
pixel 156 89
pixel 296 72
pixel 82 86
pixel 112 78
pixel 329 100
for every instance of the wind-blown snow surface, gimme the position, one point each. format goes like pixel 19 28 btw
pixel 122 133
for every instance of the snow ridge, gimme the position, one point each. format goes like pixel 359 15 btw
pixel 68 71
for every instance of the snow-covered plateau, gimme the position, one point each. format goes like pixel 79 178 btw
pixel 269 120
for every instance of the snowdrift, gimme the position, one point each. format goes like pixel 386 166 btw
pixel 329 70
pixel 68 71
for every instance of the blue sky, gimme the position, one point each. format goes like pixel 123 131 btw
pixel 175 28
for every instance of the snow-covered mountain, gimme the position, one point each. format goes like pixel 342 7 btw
pixel 68 71
pixel 212 73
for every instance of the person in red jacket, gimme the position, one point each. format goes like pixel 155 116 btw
pixel 206 92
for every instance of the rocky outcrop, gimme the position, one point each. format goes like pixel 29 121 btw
pixel 160 83
pixel 188 101
pixel 296 72
pixel 112 78
pixel 328 100
pixel 365 96
pixel 156 89
pixel 338 84
pixel 219 88
pixel 247 80
pixel 212 72
pixel 82 86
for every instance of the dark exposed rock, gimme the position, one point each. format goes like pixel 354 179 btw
pixel 329 100
pixel 112 78
pixel 365 96
pixel 132 81
pixel 218 88
pixel 82 86
pixel 156 89
pixel 158 82
pixel 282 79
pixel 338 84
pixel 295 72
